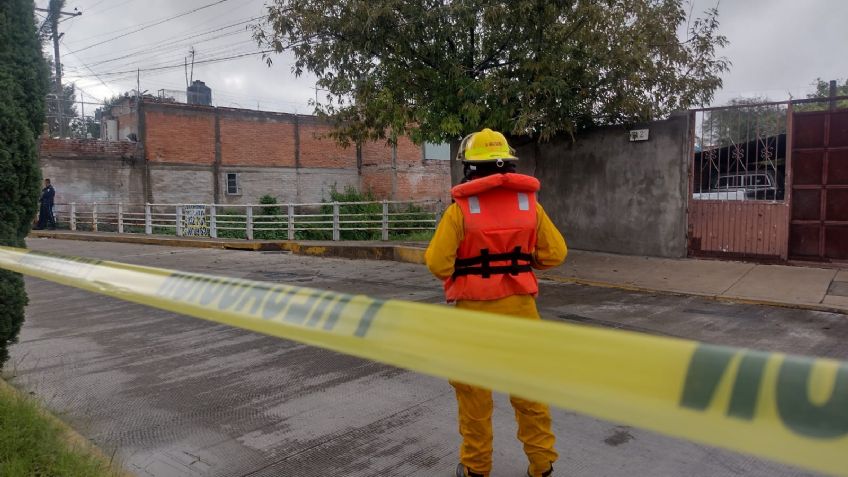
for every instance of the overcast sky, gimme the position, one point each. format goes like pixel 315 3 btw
pixel 777 47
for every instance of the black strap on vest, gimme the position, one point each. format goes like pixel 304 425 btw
pixel 466 266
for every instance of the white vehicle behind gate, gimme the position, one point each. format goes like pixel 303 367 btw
pixel 742 186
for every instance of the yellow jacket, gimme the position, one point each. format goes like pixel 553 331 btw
pixel 551 251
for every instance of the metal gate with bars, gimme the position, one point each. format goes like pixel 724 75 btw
pixel 769 181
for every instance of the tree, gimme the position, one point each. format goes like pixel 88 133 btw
pixel 23 85
pixel 744 120
pixel 437 69
pixel 822 90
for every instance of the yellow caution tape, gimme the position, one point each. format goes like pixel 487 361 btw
pixel 787 408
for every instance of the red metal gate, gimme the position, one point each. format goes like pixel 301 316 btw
pixel 740 164
pixel 819 223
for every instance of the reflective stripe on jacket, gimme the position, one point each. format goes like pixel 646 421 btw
pixel 494 258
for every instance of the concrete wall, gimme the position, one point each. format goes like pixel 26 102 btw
pixel 608 194
pixel 92 170
pixel 288 185
pixel 612 195
pixel 181 184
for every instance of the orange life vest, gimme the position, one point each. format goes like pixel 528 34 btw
pixel 494 257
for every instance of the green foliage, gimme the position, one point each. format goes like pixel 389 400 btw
pixel 19 173
pixel 268 199
pixel 266 219
pixel 13 301
pixel 437 69
pixel 752 119
pixel 21 61
pixel 23 81
pixel 822 90
pixel 373 213
pixel 31 445
pixel 234 218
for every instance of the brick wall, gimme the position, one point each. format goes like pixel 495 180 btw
pixel 315 184
pixel 179 135
pixel 317 150
pixel 88 148
pixel 90 170
pixel 424 183
pixel 257 140
pixel 283 155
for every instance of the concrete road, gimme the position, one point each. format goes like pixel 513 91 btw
pixel 170 395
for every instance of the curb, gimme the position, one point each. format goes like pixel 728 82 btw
pixel 70 436
pixel 397 253
pixel 708 296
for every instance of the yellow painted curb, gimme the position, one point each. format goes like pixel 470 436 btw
pixel 409 254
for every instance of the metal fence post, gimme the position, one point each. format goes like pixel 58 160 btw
pixel 249 222
pixel 290 221
pixel 94 217
pixel 336 231
pixel 385 220
pixel 73 215
pixel 148 222
pixel 120 218
pixel 213 222
pixel 178 220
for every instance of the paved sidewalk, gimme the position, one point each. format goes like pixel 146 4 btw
pixel 807 287
pixel 781 285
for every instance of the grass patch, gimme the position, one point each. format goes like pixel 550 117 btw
pixel 32 444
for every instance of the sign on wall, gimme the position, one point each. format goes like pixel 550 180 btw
pixel 194 223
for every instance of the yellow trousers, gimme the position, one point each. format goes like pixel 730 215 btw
pixel 475 407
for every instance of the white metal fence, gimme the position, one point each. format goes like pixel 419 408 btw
pixel 385 220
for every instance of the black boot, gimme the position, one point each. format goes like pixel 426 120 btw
pixel 549 472
pixel 461 471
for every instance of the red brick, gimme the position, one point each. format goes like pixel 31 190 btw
pixel 176 137
pixel 250 141
pixel 319 151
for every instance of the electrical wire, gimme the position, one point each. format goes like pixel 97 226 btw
pixel 164 20
pixel 177 42
pixel 88 68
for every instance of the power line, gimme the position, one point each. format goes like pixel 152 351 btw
pixel 164 20
pixel 176 42
pixel 181 65
pixel 89 68
pixel 94 5
pixel 163 42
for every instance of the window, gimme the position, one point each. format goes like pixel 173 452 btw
pixel 233 183
pixel 436 152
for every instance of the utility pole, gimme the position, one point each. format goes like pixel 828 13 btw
pixel 191 79
pixel 84 122
pixel 54 12
pixel 832 94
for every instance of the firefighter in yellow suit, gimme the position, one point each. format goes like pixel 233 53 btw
pixel 484 250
